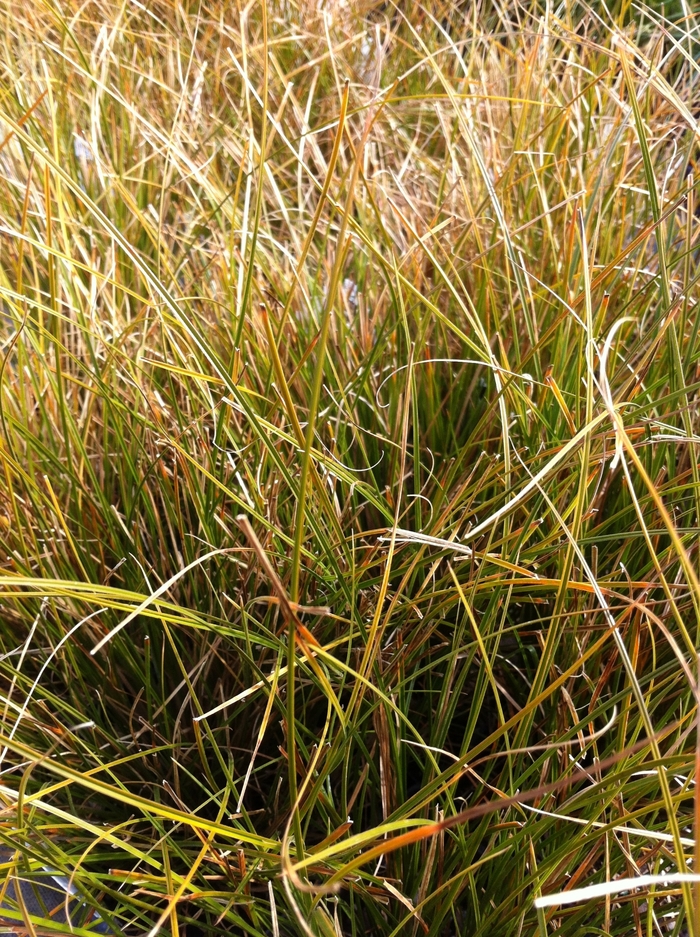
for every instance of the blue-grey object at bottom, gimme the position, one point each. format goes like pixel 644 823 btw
pixel 43 895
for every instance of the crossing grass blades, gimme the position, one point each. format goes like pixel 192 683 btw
pixel 349 486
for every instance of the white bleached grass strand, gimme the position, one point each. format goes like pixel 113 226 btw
pixel 616 887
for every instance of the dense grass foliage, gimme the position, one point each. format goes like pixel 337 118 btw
pixel 349 485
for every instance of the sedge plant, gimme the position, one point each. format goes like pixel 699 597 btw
pixel 349 483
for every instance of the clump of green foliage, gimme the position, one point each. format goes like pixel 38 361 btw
pixel 349 485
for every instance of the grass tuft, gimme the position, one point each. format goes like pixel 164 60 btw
pixel 349 482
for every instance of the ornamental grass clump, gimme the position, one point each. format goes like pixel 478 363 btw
pixel 349 483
